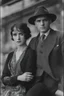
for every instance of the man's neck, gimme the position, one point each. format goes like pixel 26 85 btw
pixel 46 33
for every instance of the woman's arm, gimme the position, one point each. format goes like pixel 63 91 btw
pixel 29 73
pixel 7 79
pixel 29 66
pixel 31 62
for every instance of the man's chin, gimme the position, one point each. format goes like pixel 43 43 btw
pixel 43 31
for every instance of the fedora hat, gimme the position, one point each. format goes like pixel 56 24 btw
pixel 41 11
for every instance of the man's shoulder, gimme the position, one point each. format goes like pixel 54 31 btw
pixel 56 32
pixel 33 40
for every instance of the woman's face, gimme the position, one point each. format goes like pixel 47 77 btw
pixel 19 38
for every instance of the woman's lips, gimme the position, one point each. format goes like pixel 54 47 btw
pixel 18 41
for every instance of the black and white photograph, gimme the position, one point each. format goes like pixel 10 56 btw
pixel 31 47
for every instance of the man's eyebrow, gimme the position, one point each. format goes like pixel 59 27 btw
pixel 38 20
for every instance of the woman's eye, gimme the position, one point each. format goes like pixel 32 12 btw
pixel 14 34
pixel 21 34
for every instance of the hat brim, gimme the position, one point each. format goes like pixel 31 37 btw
pixel 32 19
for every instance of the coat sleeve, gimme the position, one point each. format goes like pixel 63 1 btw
pixel 56 58
pixel 6 75
pixel 30 66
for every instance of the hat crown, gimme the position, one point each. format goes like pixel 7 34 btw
pixel 41 11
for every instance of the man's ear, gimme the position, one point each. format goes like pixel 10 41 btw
pixel 50 21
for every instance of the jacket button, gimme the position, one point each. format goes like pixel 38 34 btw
pixel 41 51
pixel 41 45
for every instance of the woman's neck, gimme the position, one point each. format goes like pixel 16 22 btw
pixel 21 47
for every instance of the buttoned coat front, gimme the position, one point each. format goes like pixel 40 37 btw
pixel 51 55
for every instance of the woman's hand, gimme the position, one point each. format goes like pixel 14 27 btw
pixel 27 76
pixel 7 78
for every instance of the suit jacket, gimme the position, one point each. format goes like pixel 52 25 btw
pixel 28 64
pixel 51 54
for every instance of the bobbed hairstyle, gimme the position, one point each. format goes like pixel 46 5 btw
pixel 23 28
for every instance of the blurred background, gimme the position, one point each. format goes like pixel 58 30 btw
pixel 18 11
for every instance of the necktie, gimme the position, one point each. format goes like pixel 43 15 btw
pixel 40 70
pixel 42 37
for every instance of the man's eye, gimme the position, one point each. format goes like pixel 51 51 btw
pixel 38 20
pixel 45 19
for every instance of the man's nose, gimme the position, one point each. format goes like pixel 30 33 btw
pixel 42 22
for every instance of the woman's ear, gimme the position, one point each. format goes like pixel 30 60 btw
pixel 12 38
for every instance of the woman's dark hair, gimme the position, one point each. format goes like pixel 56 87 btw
pixel 22 28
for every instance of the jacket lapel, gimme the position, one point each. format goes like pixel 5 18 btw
pixel 49 43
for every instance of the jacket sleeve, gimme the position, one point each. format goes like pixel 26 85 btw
pixel 56 59
pixel 7 79
pixel 30 66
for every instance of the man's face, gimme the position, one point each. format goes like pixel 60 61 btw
pixel 42 24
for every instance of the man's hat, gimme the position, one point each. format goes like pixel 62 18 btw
pixel 41 11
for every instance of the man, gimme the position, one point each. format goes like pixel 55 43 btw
pixel 49 55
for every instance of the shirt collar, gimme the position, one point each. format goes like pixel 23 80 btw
pixel 46 34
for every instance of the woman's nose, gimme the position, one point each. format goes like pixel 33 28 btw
pixel 18 37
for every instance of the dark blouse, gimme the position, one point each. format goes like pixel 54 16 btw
pixel 27 64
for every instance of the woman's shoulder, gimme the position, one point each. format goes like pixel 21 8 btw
pixel 10 53
pixel 30 49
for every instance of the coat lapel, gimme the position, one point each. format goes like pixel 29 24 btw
pixel 49 43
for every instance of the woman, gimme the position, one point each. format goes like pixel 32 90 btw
pixel 20 67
